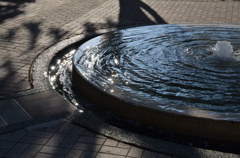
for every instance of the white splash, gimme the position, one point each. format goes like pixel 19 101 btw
pixel 223 51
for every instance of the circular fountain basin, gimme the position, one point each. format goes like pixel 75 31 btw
pixel 180 78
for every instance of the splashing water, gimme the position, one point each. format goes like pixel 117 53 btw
pixel 223 51
pixel 60 77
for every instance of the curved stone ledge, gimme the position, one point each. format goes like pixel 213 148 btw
pixel 194 122
pixel 199 126
pixel 98 125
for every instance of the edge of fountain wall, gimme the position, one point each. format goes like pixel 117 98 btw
pixel 191 123
pixel 199 126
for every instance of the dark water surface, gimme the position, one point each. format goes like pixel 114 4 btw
pixel 161 66
pixel 165 66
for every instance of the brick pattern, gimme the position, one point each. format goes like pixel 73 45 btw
pixel 31 27
pixel 68 140
pixel 27 28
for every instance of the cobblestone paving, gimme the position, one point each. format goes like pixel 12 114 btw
pixel 67 140
pixel 28 27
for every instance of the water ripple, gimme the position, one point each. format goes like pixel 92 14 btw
pixel 165 65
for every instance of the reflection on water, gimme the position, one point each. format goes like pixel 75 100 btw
pixel 60 77
pixel 166 66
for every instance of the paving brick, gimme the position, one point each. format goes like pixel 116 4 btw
pixel 135 152
pixel 48 103
pixel 31 151
pixel 6 145
pixel 3 152
pixel 149 154
pixel 53 128
pixel 12 113
pixel 44 155
pixel 123 145
pixel 103 155
pixel 56 139
pixel 77 130
pixel 114 150
pixel 88 154
pixel 40 134
pixel 91 140
pixel 88 133
pixel 74 153
pixel 54 150
pixel 16 136
pixel 86 147
pixel 69 141
pixel 163 156
pixel 5 136
pixel 33 140
pixel 17 150
pixel 111 142
pixel 66 128
pixel 100 136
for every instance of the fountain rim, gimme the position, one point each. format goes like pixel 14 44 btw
pixel 191 122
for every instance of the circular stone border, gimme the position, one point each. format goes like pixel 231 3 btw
pixel 195 122
pixel 39 71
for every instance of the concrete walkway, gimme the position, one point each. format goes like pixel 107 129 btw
pixel 29 27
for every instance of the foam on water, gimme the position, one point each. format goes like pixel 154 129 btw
pixel 223 51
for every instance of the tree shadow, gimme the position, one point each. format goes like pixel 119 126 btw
pixel 131 13
pixel 12 8
pixel 35 40
pixel 134 12
pixel 10 34
pixel 138 11
pixel 34 31
pixel 57 33
pixel 7 75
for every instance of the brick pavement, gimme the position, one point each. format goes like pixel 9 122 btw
pixel 67 140
pixel 28 27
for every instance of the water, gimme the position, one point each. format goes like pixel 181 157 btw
pixel 223 52
pixel 60 77
pixel 170 67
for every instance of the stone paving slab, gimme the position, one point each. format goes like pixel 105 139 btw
pixel 27 108
pixel 44 104
pixel 12 113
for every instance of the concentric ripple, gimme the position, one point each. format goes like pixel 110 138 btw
pixel 165 66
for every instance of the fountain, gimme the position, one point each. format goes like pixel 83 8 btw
pixel 179 78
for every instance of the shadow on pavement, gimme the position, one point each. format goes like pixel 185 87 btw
pixel 138 11
pixel 19 55
pixel 7 74
pixel 131 13
pixel 12 8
